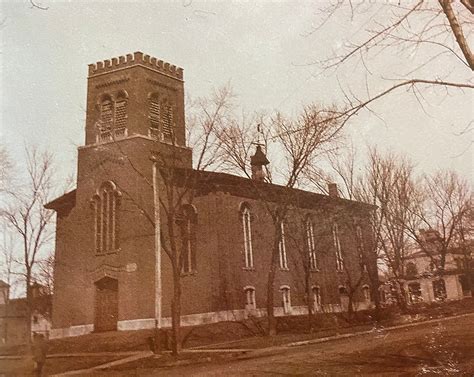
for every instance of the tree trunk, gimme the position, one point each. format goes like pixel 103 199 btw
pixel 29 305
pixel 350 306
pixel 176 312
pixel 310 301
pixel 270 311
pixel 401 297
pixel 457 31
pixel 375 293
pixel 271 283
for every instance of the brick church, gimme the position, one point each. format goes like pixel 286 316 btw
pixel 111 272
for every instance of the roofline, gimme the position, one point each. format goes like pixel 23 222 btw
pixel 68 200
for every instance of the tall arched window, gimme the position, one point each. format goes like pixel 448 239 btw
pixel 360 246
pixel 247 232
pixel 106 208
pixel 337 247
pixel 310 242
pixel 282 248
pixel 188 223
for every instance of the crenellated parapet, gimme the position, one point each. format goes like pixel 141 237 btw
pixel 137 58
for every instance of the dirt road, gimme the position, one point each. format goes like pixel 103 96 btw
pixel 440 349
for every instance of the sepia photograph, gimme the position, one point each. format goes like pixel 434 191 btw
pixel 236 188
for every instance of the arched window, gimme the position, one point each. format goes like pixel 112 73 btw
pixel 120 116
pixel 167 121
pixel 337 247
pixel 188 223
pixel 113 117
pixel 310 242
pixel 161 116
pixel 154 115
pixel 316 290
pixel 282 248
pixel 247 231
pixel 106 207
pixel 106 114
pixel 250 303
pixel 286 298
pixel 366 293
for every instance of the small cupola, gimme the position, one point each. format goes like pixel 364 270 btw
pixel 258 161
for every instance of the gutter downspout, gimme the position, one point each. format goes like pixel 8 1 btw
pixel 158 288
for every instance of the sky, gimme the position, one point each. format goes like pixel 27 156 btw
pixel 265 50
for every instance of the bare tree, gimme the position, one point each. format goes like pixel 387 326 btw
pixel 26 216
pixel 301 142
pixel 6 167
pixel 432 34
pixel 465 242
pixel 442 208
pixel 388 183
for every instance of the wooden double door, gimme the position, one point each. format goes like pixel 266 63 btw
pixel 106 305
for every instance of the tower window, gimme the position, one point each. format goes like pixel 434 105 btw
pixel 161 115
pixel 121 114
pixel 106 208
pixel 113 118
pixel 167 122
pixel 154 114
pixel 106 115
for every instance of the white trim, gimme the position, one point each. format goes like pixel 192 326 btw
pixel 136 324
pixel 71 331
pixel 193 319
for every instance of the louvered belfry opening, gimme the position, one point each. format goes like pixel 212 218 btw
pixel 161 118
pixel 113 118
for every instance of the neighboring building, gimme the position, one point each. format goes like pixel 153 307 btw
pixel 423 281
pixel 108 275
pixel 13 315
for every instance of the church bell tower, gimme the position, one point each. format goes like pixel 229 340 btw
pixel 135 94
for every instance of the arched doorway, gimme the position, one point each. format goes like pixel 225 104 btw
pixel 106 304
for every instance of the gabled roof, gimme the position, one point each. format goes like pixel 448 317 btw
pixel 3 284
pixel 66 201
pixel 208 182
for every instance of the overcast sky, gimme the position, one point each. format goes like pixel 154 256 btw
pixel 265 51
